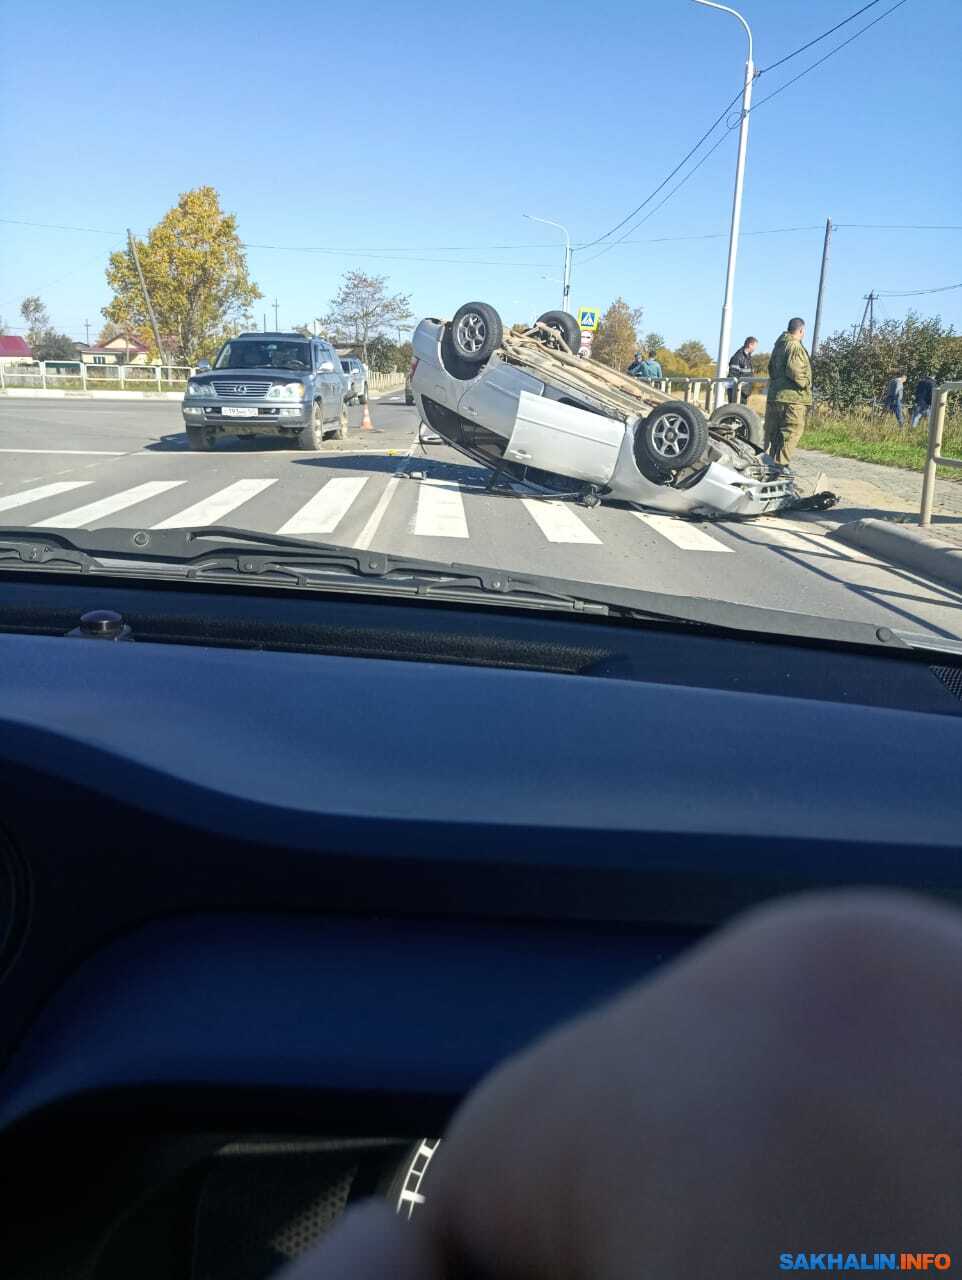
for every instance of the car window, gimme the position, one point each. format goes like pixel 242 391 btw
pixel 265 354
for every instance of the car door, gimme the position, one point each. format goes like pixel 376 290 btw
pixel 564 439
pixel 326 380
pixel 491 401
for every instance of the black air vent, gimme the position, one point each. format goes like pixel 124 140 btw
pixel 951 677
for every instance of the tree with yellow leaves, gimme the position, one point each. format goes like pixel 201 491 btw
pixel 195 270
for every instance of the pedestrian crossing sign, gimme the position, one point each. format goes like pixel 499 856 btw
pixel 588 319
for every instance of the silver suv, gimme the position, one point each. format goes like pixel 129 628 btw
pixel 268 384
pixel 356 373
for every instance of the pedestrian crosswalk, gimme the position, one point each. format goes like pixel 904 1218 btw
pixel 361 509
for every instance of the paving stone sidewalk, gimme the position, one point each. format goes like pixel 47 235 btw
pixel 882 493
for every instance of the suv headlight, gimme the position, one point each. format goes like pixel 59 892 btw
pixel 286 391
pixel 200 389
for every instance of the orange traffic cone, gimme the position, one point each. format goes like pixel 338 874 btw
pixel 366 423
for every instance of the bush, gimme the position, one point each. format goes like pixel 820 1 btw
pixel 850 371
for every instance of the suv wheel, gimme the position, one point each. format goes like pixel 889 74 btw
pixel 311 437
pixel 566 325
pixel 200 436
pixel 673 436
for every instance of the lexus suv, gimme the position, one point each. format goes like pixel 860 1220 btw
pixel 276 384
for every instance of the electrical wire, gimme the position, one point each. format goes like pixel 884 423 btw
pixel 825 57
pixel 915 293
pixel 588 244
pixel 802 47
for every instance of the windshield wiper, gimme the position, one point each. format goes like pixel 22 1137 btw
pixel 219 554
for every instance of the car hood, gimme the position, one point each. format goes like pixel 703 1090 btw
pixel 249 375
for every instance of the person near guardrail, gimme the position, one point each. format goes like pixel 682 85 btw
pixel 923 400
pixel 740 366
pixel 645 365
pixel 789 392
pixel 892 400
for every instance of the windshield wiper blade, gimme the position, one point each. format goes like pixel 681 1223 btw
pixel 219 553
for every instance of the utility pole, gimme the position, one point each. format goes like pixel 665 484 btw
pixel 871 314
pixel 265 323
pixel 150 310
pixel 821 284
pixel 276 305
pixel 87 331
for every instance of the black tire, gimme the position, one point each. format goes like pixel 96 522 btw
pixel 566 325
pixel 408 397
pixel 311 437
pixel 476 332
pixel 363 399
pixel 341 431
pixel 200 436
pixel 673 436
pixel 748 425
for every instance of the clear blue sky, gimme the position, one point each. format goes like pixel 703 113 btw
pixel 451 121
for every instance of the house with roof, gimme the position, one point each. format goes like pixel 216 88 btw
pixel 118 350
pixel 14 351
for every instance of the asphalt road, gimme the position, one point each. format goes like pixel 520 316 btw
pixel 96 464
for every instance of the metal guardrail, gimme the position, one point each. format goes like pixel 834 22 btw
pixel 51 375
pixel 940 400
pixel 705 392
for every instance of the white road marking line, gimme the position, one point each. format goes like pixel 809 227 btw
pixel 84 453
pixel 10 500
pixel 682 534
pixel 558 522
pixel 210 510
pixel 80 516
pixel 440 511
pixel 366 536
pixel 323 512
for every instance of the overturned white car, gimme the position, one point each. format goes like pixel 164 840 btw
pixel 522 403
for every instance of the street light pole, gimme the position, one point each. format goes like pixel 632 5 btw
pixel 724 340
pixel 567 272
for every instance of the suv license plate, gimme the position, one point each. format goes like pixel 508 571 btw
pixel 229 412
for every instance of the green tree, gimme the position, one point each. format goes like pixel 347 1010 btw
pixel 363 307
pixel 693 353
pixel 616 341
pixel 653 342
pixel 195 270
pixel 383 354
pixel 3 325
pixel 760 361
pixel 36 319
pixel 54 346
pixel 672 365
pixel 852 369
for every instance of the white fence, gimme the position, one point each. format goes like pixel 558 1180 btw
pixel 708 392
pixel 73 375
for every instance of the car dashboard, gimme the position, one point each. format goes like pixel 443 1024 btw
pixel 285 875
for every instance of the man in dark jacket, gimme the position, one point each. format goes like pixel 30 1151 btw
pixel 923 400
pixel 740 366
pixel 789 392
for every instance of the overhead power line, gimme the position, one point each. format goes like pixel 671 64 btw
pixel 808 44
pixel 825 57
pixel 914 293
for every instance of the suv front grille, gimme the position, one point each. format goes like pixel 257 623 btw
pixel 240 387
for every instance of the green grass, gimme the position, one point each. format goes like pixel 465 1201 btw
pixel 879 440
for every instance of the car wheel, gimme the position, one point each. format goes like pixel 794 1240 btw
pixel 200 437
pixel 674 435
pixel 566 325
pixel 476 332
pixel 341 432
pixel 408 398
pixel 746 422
pixel 311 437
pixel 363 399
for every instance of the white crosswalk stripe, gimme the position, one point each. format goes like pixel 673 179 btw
pixel 440 512
pixel 324 512
pixel 210 510
pixel 25 496
pixel 558 522
pixel 687 537
pixel 81 516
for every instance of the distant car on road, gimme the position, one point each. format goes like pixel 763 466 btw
pixel 357 379
pixel 277 384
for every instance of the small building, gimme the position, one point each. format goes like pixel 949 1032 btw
pixel 118 350
pixel 14 351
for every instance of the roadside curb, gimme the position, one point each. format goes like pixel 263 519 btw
pixel 56 393
pixel 907 547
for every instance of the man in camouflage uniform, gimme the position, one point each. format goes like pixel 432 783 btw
pixel 789 392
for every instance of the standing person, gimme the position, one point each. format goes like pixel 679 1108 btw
pixel 923 400
pixel 892 400
pixel 634 369
pixel 653 366
pixel 740 366
pixel 789 392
